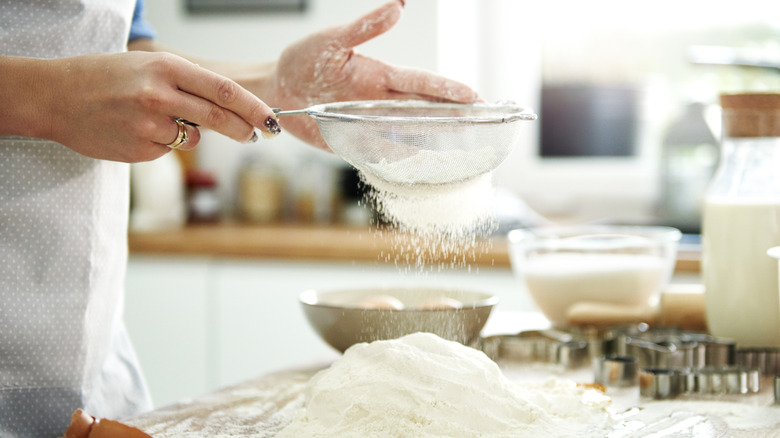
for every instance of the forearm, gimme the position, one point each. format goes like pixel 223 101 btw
pixel 25 96
pixel 252 76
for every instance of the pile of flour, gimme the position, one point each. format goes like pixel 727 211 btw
pixel 433 167
pixel 423 386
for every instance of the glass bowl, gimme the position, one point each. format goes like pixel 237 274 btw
pixel 610 264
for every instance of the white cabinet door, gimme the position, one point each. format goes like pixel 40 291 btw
pixel 261 325
pixel 167 317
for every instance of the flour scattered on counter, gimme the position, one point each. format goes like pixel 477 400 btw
pixel 423 386
pixel 705 418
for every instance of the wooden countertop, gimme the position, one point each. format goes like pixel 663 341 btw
pixel 324 243
pixel 303 242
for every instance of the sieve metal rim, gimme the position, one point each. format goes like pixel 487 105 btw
pixel 325 111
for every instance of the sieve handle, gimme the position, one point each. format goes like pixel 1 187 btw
pixel 280 112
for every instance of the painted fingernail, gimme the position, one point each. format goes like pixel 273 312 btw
pixel 272 126
pixel 253 138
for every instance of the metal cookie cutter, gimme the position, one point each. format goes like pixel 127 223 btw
pixel 776 388
pixel 546 346
pixel 720 353
pixel 724 380
pixel 616 371
pixel 675 349
pixel 767 360
pixel 663 354
pixel 613 339
pixel 708 350
pixel 661 383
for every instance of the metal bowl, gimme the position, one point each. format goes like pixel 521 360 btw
pixel 346 317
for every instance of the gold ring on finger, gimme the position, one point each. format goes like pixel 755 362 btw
pixel 181 138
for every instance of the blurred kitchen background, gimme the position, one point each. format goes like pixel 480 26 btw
pixel 623 92
pixel 628 133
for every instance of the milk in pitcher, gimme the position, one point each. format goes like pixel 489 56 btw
pixel 743 298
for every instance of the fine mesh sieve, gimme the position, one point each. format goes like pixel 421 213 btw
pixel 419 142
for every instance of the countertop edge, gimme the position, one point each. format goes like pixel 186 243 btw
pixel 327 243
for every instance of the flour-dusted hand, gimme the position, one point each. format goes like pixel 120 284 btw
pixel 122 106
pixel 325 67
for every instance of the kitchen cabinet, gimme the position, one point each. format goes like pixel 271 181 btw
pixel 199 322
pixel 167 316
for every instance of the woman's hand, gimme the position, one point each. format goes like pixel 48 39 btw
pixel 324 67
pixel 122 106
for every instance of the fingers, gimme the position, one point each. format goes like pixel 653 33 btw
pixel 186 135
pixel 218 103
pixel 429 85
pixel 370 25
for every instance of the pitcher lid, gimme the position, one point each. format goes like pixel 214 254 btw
pixel 751 114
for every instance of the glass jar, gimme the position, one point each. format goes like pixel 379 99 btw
pixel 261 190
pixel 203 204
pixel 741 221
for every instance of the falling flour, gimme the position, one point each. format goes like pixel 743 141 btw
pixel 438 222
pixel 423 386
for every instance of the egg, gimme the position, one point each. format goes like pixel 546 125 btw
pixel 386 302
pixel 441 303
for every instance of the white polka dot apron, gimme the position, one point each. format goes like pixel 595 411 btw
pixel 63 251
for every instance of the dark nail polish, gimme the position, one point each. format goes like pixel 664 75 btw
pixel 253 138
pixel 272 125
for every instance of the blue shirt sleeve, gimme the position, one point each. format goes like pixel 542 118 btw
pixel 140 28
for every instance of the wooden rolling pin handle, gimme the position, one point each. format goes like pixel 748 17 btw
pixel 680 306
pixel 683 306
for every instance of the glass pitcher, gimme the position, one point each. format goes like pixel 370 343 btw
pixel 741 221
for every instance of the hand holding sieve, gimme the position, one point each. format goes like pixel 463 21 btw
pixel 419 142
